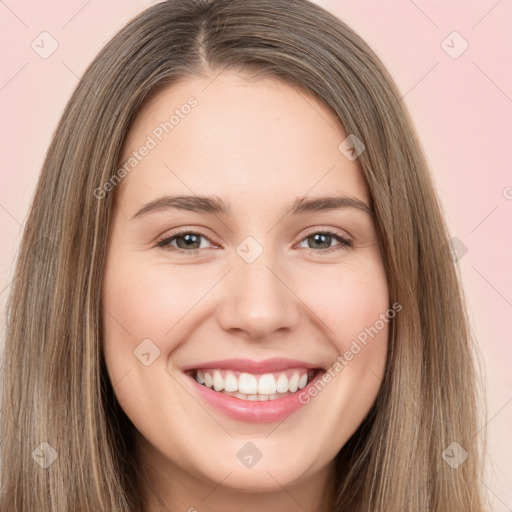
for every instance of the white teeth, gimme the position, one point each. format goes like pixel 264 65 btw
pixel 260 398
pixel 248 387
pixel 247 384
pixel 230 383
pixel 282 384
pixel 218 381
pixel 293 383
pixel 267 384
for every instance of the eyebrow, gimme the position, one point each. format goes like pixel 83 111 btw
pixel 216 206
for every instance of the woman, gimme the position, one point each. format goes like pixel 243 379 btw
pixel 145 372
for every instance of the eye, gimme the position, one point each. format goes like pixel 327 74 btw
pixel 186 242
pixel 189 242
pixel 324 238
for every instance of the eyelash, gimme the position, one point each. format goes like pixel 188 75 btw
pixel 164 243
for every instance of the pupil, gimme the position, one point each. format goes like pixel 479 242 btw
pixel 323 237
pixel 189 240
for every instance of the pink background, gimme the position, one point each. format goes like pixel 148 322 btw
pixel 461 106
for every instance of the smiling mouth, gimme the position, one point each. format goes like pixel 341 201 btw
pixel 254 387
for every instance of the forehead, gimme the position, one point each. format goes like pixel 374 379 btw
pixel 249 140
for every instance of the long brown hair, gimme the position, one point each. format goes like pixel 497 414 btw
pixel 55 386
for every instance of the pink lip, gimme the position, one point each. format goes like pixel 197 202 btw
pixel 256 367
pixel 253 412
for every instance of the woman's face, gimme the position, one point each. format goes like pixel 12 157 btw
pixel 247 284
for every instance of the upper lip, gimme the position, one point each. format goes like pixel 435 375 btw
pixel 257 367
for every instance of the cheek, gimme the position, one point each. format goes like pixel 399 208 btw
pixel 353 303
pixel 148 311
pixel 144 312
pixel 349 300
pixel 147 303
pixel 362 314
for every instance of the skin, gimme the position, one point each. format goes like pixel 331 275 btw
pixel 257 145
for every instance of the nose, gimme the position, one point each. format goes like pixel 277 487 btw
pixel 258 300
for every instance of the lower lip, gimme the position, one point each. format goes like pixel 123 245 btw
pixel 249 411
